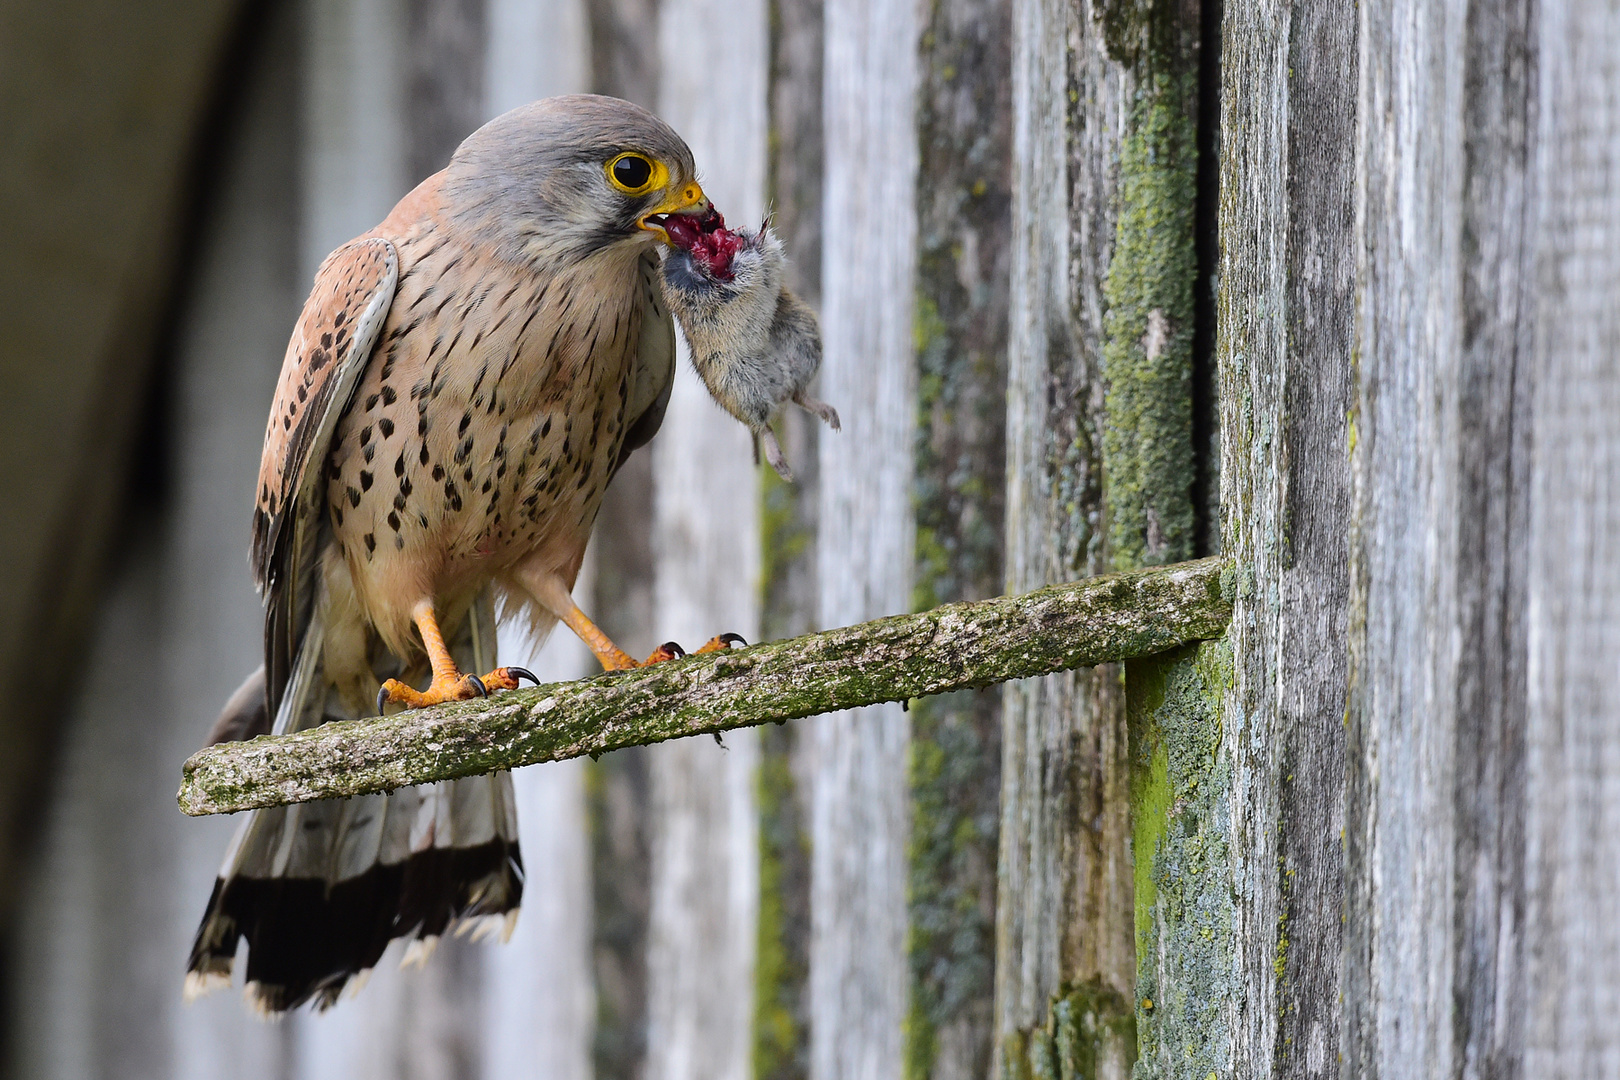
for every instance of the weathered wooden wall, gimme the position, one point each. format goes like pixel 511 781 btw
pixel 1286 341
pixel 964 134
pixel 705 823
pixel 788 586
pixel 1481 837
pixel 624 63
pixel 864 548
pixel 1101 474
pixel 1371 832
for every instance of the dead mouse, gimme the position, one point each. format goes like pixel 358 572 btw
pixel 755 345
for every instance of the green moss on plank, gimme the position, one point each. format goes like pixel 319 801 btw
pixel 1181 816
pixel 785 536
pixel 1089 1028
pixel 781 971
pixel 954 770
pixel 1148 462
pixel 964 206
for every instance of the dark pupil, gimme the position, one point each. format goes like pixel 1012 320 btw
pixel 632 172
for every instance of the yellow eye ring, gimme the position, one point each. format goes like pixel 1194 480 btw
pixel 624 170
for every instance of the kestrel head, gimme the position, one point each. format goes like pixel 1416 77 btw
pixel 568 176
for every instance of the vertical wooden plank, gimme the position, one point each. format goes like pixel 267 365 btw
pixel 865 547
pixel 1284 310
pixel 535 49
pixel 447 42
pixel 540 1001
pixel 1435 953
pixel 964 121
pixel 1064 914
pixel 354 137
pixel 1041 339
pixel 1483 787
pixel 1572 767
pixel 705 835
pixel 624 49
pixel 624 63
pixel 789 592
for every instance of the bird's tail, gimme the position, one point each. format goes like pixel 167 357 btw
pixel 318 890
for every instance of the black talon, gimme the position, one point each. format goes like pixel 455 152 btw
pixel 382 700
pixel 478 684
pixel 522 673
pixel 673 647
pixel 734 639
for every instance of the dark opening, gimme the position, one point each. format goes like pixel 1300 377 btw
pixel 1206 430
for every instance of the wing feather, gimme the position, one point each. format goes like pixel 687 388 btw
pixel 330 348
pixel 328 351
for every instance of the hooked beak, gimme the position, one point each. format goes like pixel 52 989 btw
pixel 689 201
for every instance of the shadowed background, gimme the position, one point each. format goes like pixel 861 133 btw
pixel 172 174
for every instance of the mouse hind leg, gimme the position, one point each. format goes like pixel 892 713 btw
pixel 773 453
pixel 828 414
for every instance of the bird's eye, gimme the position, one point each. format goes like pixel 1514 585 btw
pixel 634 174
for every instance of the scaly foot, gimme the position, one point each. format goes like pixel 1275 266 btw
pixel 722 641
pixel 452 686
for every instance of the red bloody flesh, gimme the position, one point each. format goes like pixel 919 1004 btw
pixel 711 245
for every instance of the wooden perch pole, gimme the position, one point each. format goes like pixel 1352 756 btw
pixel 1096 621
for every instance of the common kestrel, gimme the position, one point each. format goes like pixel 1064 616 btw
pixel 462 385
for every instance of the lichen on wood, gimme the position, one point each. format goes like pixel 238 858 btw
pixel 1181 793
pixel 964 135
pixel 1148 457
pixel 1090 1031
pixel 952 647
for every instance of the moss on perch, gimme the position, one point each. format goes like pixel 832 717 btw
pixel 1099 620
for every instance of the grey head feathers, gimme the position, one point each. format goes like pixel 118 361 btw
pixel 533 179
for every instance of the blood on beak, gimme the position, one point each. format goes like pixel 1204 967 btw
pixel 688 201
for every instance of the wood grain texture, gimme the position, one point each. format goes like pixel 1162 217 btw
pixel 1284 308
pixel 1483 791
pixel 1099 620
pixel 964 121
pixel 1572 731
pixel 706 543
pixel 1435 871
pixel 1039 339
pixel 624 63
pixel 446 75
pixel 789 591
pixel 1065 945
pixel 865 545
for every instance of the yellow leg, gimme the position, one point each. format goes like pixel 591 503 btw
pixel 612 657
pixel 448 684
pixel 552 593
